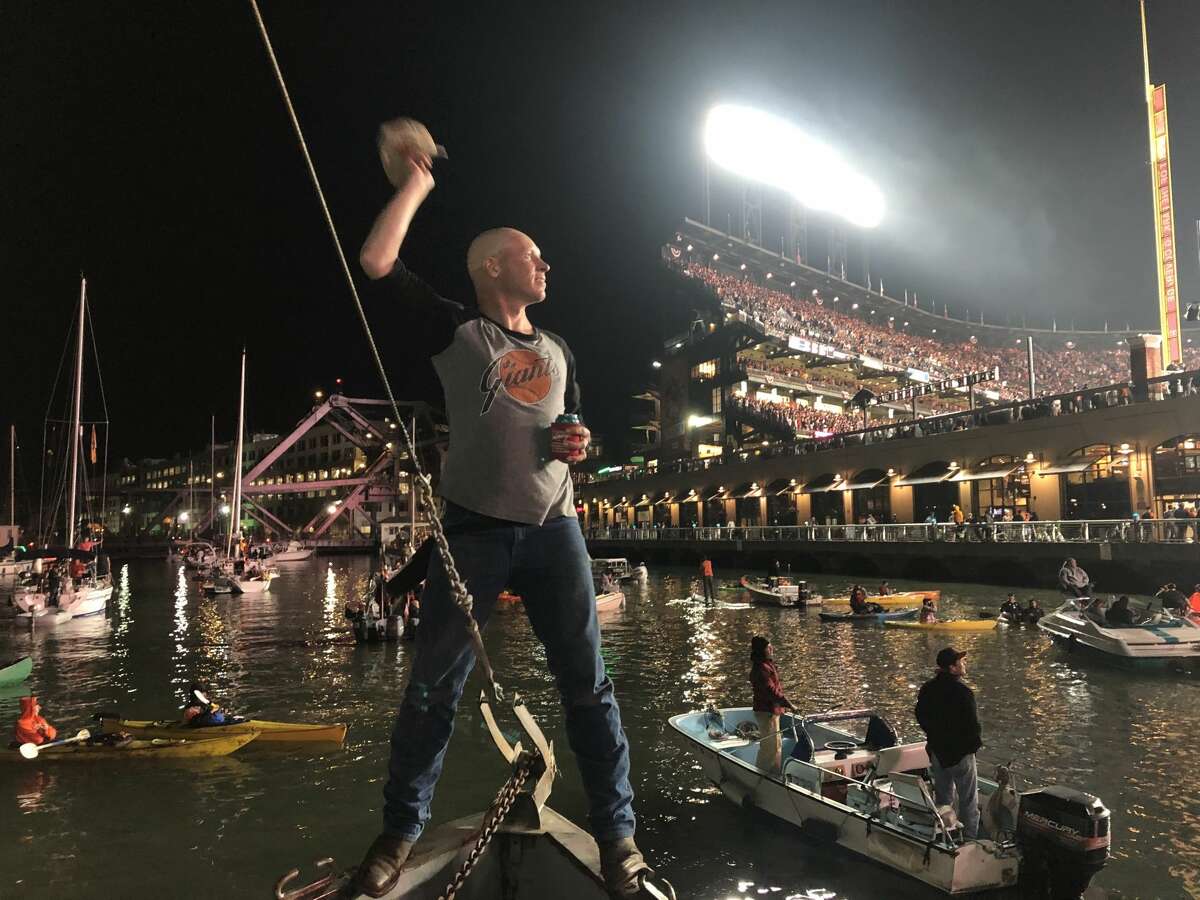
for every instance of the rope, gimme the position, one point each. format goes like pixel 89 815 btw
pixel 458 587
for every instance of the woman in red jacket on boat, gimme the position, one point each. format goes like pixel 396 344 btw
pixel 32 728
pixel 769 702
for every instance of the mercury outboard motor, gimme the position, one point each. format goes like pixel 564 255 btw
pixel 1063 836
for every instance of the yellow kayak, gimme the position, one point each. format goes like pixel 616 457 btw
pixel 953 625
pixel 900 598
pixel 271 732
pixel 143 749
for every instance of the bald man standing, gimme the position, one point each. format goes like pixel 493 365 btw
pixel 510 520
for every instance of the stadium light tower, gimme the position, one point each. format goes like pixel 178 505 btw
pixel 772 151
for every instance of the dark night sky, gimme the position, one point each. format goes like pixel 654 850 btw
pixel 146 145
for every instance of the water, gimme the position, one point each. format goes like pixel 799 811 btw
pixel 229 827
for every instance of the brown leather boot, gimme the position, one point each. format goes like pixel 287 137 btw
pixel 620 863
pixel 380 869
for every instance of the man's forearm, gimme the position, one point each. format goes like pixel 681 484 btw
pixel 382 246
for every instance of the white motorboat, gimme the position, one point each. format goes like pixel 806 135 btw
pixel 256 582
pixel 779 591
pixel 618 569
pixel 293 552
pixel 869 794
pixel 1160 640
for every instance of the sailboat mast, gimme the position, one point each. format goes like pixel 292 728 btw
pixel 235 518
pixel 12 475
pixel 75 416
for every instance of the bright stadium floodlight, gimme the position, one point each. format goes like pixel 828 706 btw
pixel 767 149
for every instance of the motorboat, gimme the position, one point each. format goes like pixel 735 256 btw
pixel 619 570
pixel 1160 640
pixel 256 580
pixel 883 615
pixel 294 551
pixel 534 852
pixel 778 591
pixel 609 601
pixel 198 555
pixel 848 780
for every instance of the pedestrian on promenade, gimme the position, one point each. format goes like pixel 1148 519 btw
pixel 510 522
pixel 769 704
pixel 706 575
pixel 946 712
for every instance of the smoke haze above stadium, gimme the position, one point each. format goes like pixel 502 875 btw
pixel 147 146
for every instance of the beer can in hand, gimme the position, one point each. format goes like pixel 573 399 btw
pixel 560 447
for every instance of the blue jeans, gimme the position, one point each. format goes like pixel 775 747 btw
pixel 548 566
pixel 960 779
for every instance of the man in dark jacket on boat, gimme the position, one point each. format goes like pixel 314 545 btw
pixel 946 712
pixel 510 523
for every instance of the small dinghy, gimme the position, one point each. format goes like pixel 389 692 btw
pixel 1161 640
pixel 848 780
pixel 886 615
pixel 533 853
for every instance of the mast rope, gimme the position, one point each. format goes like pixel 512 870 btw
pixel 458 587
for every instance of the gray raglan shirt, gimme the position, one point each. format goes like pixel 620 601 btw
pixel 501 390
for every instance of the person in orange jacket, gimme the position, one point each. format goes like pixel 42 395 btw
pixel 706 575
pixel 32 728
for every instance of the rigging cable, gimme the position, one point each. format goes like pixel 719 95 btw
pixel 458 588
pixel 104 406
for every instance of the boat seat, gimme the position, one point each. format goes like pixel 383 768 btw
pixel 916 806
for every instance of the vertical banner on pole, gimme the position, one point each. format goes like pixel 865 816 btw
pixel 1164 219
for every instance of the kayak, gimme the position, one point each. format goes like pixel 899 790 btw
pixel 17 671
pixel 885 616
pixel 955 625
pixel 270 732
pixel 143 749
pixel 902 598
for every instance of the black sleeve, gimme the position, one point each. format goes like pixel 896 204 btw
pixel 571 398
pixel 971 720
pixel 413 572
pixel 422 321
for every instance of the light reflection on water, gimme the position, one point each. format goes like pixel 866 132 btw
pixel 234 824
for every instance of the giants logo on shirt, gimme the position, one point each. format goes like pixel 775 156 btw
pixel 523 374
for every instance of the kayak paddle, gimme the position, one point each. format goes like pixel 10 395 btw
pixel 31 750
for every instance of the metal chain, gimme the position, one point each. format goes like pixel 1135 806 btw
pixel 492 820
pixel 458 587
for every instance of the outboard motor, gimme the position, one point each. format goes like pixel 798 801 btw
pixel 1064 839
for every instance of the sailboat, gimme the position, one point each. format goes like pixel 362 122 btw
pixel 85 587
pixel 254 578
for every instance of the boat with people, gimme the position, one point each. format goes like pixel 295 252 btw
pixel 264 732
pixel 16 671
pixel 618 569
pixel 848 780
pixel 778 590
pixel 882 615
pixel 113 747
pixel 1160 639
pixel 78 583
pixel 899 598
pixel 962 625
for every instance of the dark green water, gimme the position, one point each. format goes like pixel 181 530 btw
pixel 228 827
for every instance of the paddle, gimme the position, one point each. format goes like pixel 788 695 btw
pixel 31 750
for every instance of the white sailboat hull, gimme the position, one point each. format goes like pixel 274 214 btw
pixel 73 603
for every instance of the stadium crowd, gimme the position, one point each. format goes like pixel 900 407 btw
pixel 1059 370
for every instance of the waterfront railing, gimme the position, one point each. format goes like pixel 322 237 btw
pixel 1068 531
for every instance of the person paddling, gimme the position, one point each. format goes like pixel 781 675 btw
pixel 32 727
pixel 199 711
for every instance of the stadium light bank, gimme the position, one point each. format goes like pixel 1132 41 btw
pixel 765 148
